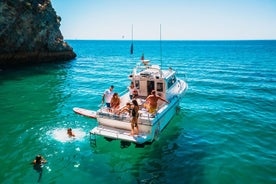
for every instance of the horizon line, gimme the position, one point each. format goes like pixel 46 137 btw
pixel 173 40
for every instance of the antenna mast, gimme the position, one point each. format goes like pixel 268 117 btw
pixel 131 47
pixel 132 33
pixel 160 47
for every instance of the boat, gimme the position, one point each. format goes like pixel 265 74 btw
pixel 146 77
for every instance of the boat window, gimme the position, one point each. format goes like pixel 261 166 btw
pixel 169 84
pixel 159 87
pixel 150 86
pixel 137 84
pixel 171 81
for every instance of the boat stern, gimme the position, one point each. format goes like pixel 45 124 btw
pixel 120 134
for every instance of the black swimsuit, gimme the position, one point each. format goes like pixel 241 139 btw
pixel 133 112
pixel 134 115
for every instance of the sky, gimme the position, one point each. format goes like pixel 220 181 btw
pixel 179 19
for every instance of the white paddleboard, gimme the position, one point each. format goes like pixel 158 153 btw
pixel 85 112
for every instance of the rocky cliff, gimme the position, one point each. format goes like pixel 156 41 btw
pixel 29 34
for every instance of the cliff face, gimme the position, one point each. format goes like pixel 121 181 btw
pixel 29 34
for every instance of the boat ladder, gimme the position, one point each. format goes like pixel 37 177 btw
pixel 93 140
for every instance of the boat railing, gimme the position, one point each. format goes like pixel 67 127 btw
pixel 104 113
pixel 123 92
pixel 140 68
pixel 147 117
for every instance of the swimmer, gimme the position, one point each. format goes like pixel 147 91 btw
pixel 70 133
pixel 39 160
pixel 38 164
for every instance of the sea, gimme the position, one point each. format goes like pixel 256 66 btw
pixel 224 132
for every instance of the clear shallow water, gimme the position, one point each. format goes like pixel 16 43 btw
pixel 224 132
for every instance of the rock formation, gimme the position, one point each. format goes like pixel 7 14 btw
pixel 29 34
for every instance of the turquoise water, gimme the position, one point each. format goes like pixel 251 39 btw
pixel 224 132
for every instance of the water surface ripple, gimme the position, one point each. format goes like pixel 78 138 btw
pixel 224 132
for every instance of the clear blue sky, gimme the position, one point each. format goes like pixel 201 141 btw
pixel 180 19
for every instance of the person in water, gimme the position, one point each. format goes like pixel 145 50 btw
pixel 70 133
pixel 39 160
pixel 38 164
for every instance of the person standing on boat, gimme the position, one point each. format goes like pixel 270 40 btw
pixel 131 89
pixel 151 101
pixel 134 120
pixel 108 93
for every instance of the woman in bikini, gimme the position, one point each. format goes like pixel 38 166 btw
pixel 134 120
pixel 115 102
